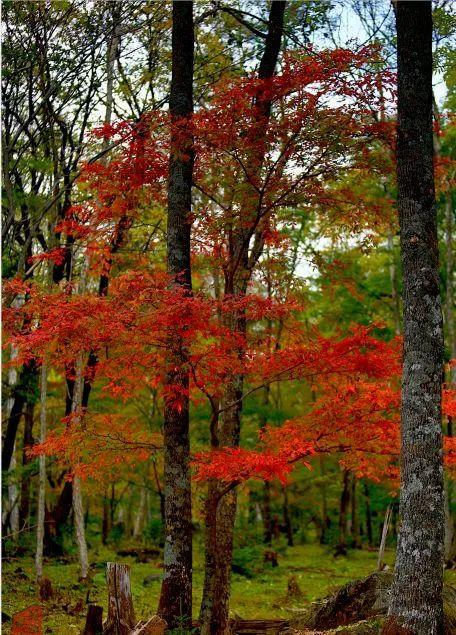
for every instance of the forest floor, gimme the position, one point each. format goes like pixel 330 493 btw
pixel 264 595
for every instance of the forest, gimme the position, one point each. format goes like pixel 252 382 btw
pixel 229 341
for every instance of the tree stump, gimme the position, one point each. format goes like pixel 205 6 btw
pixel 45 589
pixel 271 557
pixel 121 615
pixel 94 620
pixel 294 591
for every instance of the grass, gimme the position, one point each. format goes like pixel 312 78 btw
pixel 263 596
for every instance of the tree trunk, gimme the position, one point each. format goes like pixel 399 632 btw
pixel 215 600
pixel 220 526
pixel 11 513
pixel 325 519
pixel 267 520
pixel 341 548
pixel 78 512
pixel 27 377
pixel 121 615
pixel 266 512
pixel 141 514
pixel 94 620
pixel 176 593
pixel 417 605
pixel 78 508
pixel 25 481
pixel 286 517
pixel 354 516
pixel 369 528
pixel 42 477
pixel 450 541
pixel 106 524
pixel 218 559
pixel 395 295
pixel 385 528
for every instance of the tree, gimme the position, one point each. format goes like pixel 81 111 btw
pixel 221 509
pixel 176 594
pixel 416 605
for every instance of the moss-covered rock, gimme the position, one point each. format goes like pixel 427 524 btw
pixel 359 608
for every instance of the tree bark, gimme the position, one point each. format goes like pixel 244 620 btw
pixel 140 514
pixel 417 605
pixel 25 481
pixel 267 520
pixel 395 295
pixel 94 620
pixel 10 515
pixel 42 477
pixel 385 529
pixel 121 615
pixel 78 508
pixel 176 593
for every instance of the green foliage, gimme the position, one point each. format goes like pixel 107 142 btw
pixel 247 560
pixel 154 532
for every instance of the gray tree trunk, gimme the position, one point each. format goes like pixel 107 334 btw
pixel 416 599
pixel 381 549
pixel 121 615
pixel 42 477
pixel 176 593
pixel 13 489
pixel 140 514
pixel 78 509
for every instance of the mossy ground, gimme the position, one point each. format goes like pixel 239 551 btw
pixel 262 596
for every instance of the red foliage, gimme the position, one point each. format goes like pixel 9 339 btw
pixel 323 127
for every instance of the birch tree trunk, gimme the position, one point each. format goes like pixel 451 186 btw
pixel 395 295
pixel 416 598
pixel 385 529
pixel 176 593
pixel 13 490
pixel 42 476
pixel 24 508
pixel 11 514
pixel 78 508
pixel 138 524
